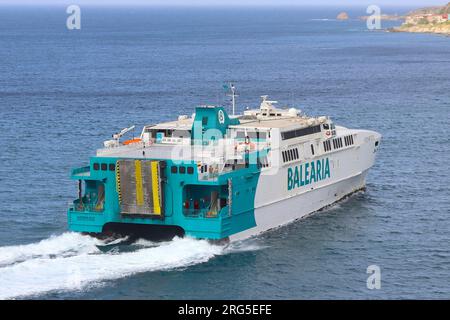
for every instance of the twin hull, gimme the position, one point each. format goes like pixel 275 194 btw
pixel 233 205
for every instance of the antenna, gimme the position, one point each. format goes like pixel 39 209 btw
pixel 233 96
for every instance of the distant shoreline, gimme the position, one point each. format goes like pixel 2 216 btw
pixel 417 29
pixel 435 20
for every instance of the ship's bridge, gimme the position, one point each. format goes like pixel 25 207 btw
pixel 267 110
pixel 280 124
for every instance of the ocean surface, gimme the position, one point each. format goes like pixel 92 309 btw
pixel 62 93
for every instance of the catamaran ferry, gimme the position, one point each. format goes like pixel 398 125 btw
pixel 218 176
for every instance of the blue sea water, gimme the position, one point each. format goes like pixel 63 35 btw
pixel 62 93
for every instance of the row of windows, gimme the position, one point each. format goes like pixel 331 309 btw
pixel 290 155
pixel 299 132
pixel 181 169
pixel 251 135
pixel 236 165
pixel 104 166
pixel 327 145
pixel 349 140
pixel 272 114
pixel 337 143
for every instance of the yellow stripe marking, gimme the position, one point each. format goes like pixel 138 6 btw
pixel 138 175
pixel 118 182
pixel 155 188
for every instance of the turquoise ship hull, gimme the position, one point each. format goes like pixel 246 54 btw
pixel 184 208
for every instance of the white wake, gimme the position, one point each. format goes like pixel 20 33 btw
pixel 67 244
pixel 73 262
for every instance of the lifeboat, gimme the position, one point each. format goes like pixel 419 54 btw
pixel 131 141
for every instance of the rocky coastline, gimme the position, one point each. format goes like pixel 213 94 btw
pixel 426 20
